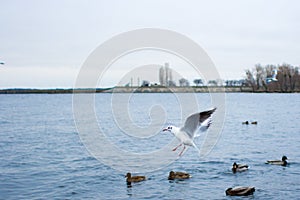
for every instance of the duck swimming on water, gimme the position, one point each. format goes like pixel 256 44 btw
pixel 240 191
pixel 131 179
pixel 281 162
pixel 178 175
pixel 239 167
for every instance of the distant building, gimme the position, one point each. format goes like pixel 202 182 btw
pixel 165 75
pixel 162 76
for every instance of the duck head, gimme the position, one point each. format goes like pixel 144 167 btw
pixel 128 175
pixel 284 158
pixel 228 191
pixel 171 175
pixel 234 167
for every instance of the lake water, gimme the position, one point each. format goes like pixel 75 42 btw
pixel 43 157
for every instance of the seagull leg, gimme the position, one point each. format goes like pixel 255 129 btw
pixel 176 147
pixel 182 150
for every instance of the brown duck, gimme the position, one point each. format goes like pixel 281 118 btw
pixel 178 175
pixel 240 191
pixel 132 179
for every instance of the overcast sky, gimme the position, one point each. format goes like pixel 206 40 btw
pixel 44 43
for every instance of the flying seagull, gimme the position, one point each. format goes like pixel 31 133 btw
pixel 187 133
pixel 273 77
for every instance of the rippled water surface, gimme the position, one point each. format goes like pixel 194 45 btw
pixel 42 156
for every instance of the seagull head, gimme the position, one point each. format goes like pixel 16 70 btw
pixel 170 129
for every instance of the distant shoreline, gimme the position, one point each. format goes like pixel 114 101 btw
pixel 153 89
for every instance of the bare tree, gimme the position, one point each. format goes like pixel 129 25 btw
pixel 283 81
pixel 198 82
pixel 284 78
pixel 250 79
pixel 297 79
pixel 259 72
pixel 184 82
pixel 292 78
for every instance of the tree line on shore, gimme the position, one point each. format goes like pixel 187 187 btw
pixel 273 78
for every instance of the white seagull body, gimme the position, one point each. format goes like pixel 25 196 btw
pixel 187 133
pixel 273 78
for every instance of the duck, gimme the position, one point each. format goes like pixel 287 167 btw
pixel 240 191
pixel 131 179
pixel 281 162
pixel 255 122
pixel 178 175
pixel 239 167
pixel 246 122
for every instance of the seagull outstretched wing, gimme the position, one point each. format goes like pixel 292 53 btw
pixel 193 122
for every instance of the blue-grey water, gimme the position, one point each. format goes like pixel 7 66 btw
pixel 42 156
